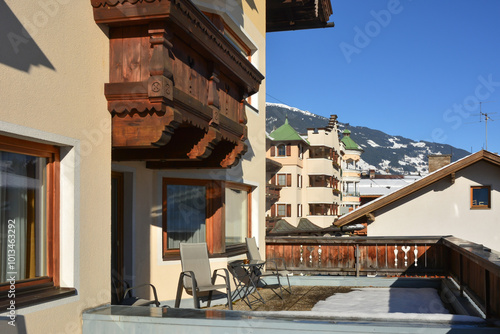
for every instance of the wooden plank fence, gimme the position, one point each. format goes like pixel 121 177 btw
pixel 474 268
pixel 359 255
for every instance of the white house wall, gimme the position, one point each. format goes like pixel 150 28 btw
pixel 443 208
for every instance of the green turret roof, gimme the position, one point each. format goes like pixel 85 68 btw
pixel 348 142
pixel 286 133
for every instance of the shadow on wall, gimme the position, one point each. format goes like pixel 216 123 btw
pixel 19 50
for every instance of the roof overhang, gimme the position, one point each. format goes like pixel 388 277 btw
pixel 285 15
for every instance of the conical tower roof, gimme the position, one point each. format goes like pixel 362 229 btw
pixel 286 133
pixel 348 142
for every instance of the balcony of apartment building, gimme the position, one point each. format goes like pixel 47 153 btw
pixel 351 170
pixel 351 273
pixel 187 111
pixel 323 188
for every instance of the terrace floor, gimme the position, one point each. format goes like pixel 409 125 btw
pixel 290 315
pixel 303 298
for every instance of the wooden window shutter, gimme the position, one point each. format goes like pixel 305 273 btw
pixel 273 151
pixel 273 180
pixel 273 210
pixel 288 210
pixel 288 180
pixel 288 150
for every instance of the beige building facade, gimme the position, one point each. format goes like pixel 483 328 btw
pixel 55 151
pixel 309 177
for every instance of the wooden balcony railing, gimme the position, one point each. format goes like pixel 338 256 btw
pixel 476 270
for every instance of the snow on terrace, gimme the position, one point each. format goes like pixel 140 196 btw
pixel 383 300
pixel 382 304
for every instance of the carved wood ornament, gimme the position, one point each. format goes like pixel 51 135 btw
pixel 176 86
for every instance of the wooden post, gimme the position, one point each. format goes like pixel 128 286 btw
pixel 357 260
pixel 487 299
pixel 461 276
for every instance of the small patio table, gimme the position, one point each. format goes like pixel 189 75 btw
pixel 246 276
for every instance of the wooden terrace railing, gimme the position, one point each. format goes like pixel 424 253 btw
pixel 476 270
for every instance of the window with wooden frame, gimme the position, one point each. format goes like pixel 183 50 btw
pixel 215 212
pixel 284 180
pixel 237 209
pixel 480 197
pixel 29 222
pixel 282 150
pixel 284 210
pixel 299 210
pixel 299 181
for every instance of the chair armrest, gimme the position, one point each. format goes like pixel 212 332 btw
pixel 156 302
pixel 225 276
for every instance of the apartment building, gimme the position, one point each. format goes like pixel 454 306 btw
pixel 308 174
pixel 351 173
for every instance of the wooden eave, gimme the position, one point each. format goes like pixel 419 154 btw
pixel 177 85
pixel 284 15
pixel 438 175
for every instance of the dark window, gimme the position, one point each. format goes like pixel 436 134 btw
pixel 480 197
pixel 281 151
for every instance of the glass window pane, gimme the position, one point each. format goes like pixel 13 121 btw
pixel 23 216
pixel 186 214
pixel 281 210
pixel 281 150
pixel 236 216
pixel 480 196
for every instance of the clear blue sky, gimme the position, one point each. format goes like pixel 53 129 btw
pixel 415 68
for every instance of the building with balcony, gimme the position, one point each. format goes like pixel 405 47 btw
pixel 310 174
pixel 126 128
pixel 351 173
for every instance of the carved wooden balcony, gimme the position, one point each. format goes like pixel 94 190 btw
pixel 177 85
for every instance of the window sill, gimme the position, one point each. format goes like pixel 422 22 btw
pixel 35 296
pixel 230 251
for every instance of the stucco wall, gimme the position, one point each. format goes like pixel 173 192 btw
pixel 444 209
pixel 52 89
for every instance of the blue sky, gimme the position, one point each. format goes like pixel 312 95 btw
pixel 415 68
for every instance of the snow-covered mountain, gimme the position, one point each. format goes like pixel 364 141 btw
pixel 382 152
